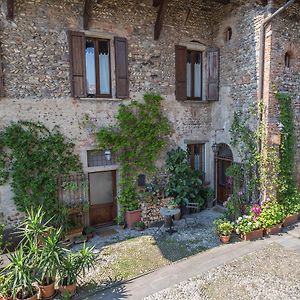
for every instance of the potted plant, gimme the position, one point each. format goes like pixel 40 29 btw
pixel 19 273
pixel 5 289
pixel 49 259
pixel 120 221
pixel 224 228
pixel 291 209
pixel 72 266
pixel 89 231
pixel 271 217
pixel 139 226
pixel 249 227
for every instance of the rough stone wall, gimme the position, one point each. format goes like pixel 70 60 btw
pixel 286 38
pixel 35 57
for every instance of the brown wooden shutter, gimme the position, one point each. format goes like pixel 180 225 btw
pixel 77 63
pixel 122 80
pixel 180 65
pixel 213 62
pixel 1 81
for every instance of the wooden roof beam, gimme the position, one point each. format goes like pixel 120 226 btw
pixel 222 1
pixel 156 3
pixel 87 13
pixel 10 10
pixel 160 18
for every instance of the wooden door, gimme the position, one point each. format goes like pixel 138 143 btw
pixel 102 190
pixel 224 186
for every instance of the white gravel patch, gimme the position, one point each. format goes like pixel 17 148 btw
pixel 272 273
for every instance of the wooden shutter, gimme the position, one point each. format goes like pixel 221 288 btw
pixel 180 65
pixel 213 62
pixel 122 80
pixel 77 63
pixel 1 81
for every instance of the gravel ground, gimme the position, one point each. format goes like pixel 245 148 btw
pixel 271 273
pixel 130 253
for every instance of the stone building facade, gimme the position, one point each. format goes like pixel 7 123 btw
pixel 35 57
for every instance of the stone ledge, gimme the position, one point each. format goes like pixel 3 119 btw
pixel 102 99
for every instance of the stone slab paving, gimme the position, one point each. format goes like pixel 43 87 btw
pixel 204 263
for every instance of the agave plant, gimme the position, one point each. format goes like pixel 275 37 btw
pixel 75 265
pixel 20 275
pixel 50 258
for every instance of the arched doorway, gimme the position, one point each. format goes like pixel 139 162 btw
pixel 224 160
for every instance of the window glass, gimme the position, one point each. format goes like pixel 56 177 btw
pixel 197 157
pixel 189 74
pixel 104 67
pixel 197 75
pixel 90 67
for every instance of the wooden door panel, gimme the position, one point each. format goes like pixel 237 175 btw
pixel 223 189
pixel 103 207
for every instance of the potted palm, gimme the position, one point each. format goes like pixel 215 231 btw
pixel 224 228
pixel 72 267
pixel 50 258
pixel 19 273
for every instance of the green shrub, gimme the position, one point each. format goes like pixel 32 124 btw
pixel 272 213
pixel 184 184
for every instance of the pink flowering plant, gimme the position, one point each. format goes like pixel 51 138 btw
pixel 272 213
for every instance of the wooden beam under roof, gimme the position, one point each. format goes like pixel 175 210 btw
pixel 156 3
pixel 222 1
pixel 87 13
pixel 160 18
pixel 10 10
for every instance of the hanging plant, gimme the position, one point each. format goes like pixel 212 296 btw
pixel 138 138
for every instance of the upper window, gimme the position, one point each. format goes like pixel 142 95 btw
pixel 287 59
pixel 197 158
pixel 194 75
pixel 190 73
pixel 97 57
pixel 91 72
pixel 228 34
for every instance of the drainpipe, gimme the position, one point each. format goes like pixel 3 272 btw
pixel 262 45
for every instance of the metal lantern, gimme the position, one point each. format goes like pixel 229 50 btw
pixel 214 147
pixel 107 154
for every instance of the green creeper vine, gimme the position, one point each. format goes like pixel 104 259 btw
pixel 138 138
pixel 34 157
pixel 288 194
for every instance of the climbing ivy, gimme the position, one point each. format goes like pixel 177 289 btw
pixel 287 193
pixel 34 157
pixel 138 138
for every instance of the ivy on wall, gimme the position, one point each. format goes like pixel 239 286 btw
pixel 34 157
pixel 138 139
pixel 287 193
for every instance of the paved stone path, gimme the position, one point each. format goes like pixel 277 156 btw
pixel 195 266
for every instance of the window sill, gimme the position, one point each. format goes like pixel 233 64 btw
pixel 198 101
pixel 101 99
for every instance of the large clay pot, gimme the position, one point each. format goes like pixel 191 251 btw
pixel 133 216
pixel 225 239
pixel 289 220
pixel 70 289
pixel 47 291
pixel 274 229
pixel 253 235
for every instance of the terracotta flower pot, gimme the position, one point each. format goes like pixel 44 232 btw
pixel 225 239
pixel 275 229
pixel 133 216
pixel 290 220
pixel 5 298
pixel 70 289
pixel 34 297
pixel 253 235
pixel 47 291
